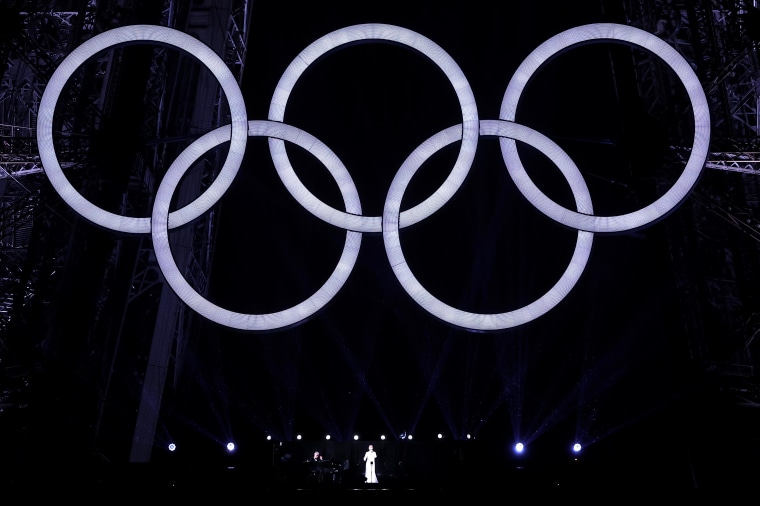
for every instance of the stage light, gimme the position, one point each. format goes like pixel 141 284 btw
pixel 327 436
pixel 519 447
pixel 576 447
pixel 230 447
pixel 440 436
pixel 269 438
pixel 298 437
pixel 409 437
pixel 469 436
pixel 172 447
pixel 356 437
pixel 382 437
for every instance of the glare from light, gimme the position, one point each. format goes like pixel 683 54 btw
pixel 172 447
pixel 230 447
pixel 577 447
pixel 519 447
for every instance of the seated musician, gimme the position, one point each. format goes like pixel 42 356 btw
pixel 315 469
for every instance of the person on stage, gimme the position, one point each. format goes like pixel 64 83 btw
pixel 370 475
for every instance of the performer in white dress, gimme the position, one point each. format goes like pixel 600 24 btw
pixel 370 476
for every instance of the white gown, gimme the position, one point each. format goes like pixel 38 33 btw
pixel 369 468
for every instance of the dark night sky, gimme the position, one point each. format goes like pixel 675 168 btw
pixel 611 354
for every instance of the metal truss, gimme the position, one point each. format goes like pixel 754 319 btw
pixel 138 306
pixel 31 253
pixel 716 268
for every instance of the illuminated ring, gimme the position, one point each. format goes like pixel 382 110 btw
pixel 694 165
pixel 403 36
pixel 129 34
pixel 476 321
pixel 203 306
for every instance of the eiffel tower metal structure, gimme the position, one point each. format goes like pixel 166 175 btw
pixel 106 292
pixel 715 238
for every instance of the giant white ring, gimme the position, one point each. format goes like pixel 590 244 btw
pixel 405 37
pixel 479 321
pixel 244 321
pixel 697 157
pixel 130 34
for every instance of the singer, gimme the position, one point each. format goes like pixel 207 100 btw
pixel 370 476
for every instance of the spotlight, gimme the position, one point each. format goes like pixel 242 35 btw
pixel 519 447
pixel 577 447
pixel 382 437
pixel 298 437
pixel 172 447
pixel 230 447
pixel 327 436
pixel 356 437
pixel 440 436
pixel 269 438
pixel 409 437
pixel 469 436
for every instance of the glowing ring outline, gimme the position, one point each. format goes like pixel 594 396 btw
pixel 697 157
pixel 404 37
pixel 204 307
pixel 129 34
pixel 478 321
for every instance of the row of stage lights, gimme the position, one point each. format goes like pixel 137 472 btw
pixel 519 448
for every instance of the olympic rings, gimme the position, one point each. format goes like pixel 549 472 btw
pixel 393 218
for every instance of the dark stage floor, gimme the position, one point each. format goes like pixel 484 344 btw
pixel 149 481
